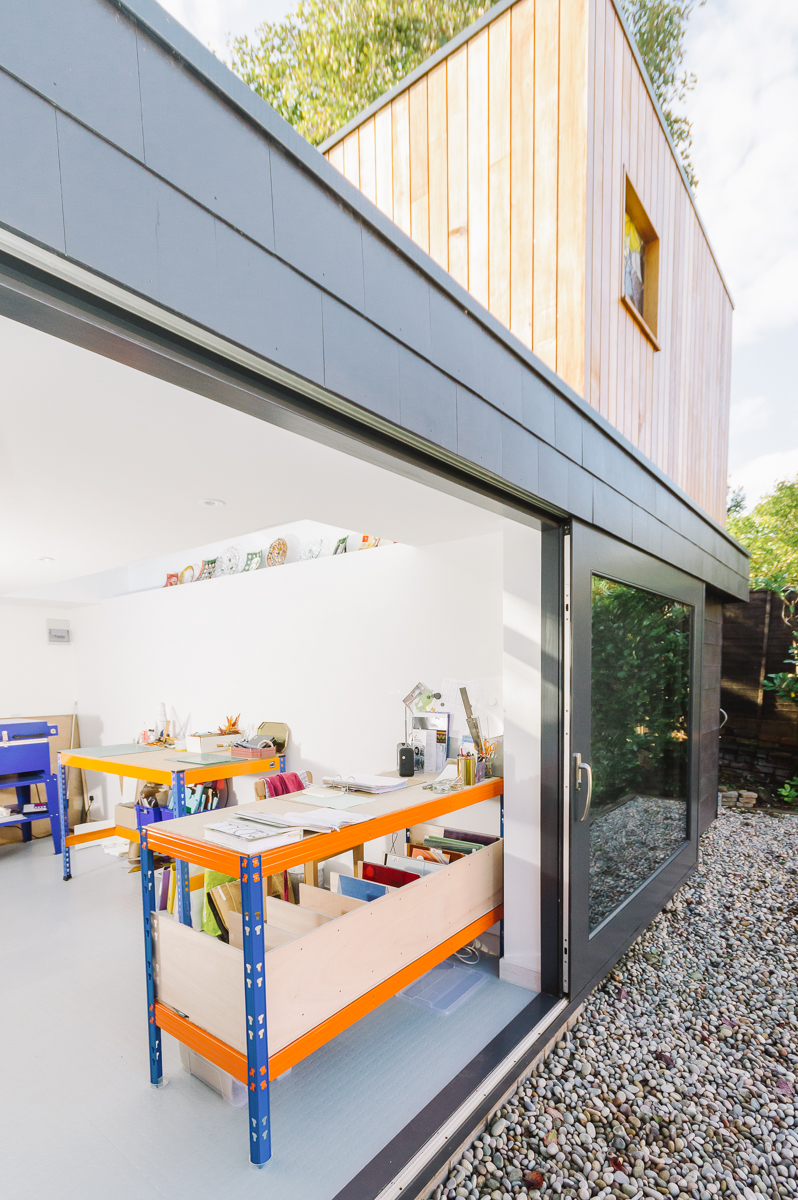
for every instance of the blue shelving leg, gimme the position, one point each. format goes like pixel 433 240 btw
pixel 63 805
pixel 183 890
pixel 148 905
pixel 23 797
pixel 260 1133
pixel 51 790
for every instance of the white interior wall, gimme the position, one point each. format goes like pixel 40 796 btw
pixel 330 647
pixel 35 675
pixel 522 716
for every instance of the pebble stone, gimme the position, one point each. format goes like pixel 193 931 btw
pixel 680 1078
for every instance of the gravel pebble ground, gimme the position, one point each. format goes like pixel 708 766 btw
pixel 679 1079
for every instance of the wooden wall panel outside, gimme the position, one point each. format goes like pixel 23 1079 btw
pixel 507 163
pixel 672 404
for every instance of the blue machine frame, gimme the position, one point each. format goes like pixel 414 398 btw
pixel 24 763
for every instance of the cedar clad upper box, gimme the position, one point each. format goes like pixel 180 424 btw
pixel 530 159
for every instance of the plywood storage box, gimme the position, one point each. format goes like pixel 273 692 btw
pixel 313 976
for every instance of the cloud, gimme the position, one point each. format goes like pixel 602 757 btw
pixel 212 21
pixel 750 415
pixel 745 127
pixel 759 476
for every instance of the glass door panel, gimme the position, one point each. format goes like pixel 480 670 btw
pixel 640 718
pixel 635 654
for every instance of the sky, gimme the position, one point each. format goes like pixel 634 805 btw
pixel 744 111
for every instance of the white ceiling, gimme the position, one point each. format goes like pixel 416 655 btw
pixel 103 466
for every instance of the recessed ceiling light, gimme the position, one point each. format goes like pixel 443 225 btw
pixel 46 559
pixel 213 503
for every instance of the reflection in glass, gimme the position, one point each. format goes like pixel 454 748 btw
pixel 640 704
pixel 634 262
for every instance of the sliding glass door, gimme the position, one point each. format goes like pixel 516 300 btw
pixel 635 626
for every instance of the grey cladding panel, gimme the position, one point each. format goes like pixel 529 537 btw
pixel 595 450
pixel 396 296
pixel 520 456
pixel 568 429
pixel 640 527
pixel 612 511
pixel 502 377
pixel 479 431
pixel 204 147
pixel 453 339
pixel 428 400
pixel 30 184
pixel 553 476
pixel 82 55
pixel 360 362
pixel 187 278
pixel 580 492
pixel 316 234
pixel 267 307
pixel 109 209
pixel 538 407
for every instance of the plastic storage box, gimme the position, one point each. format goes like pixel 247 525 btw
pixel 444 988
pixel 234 1093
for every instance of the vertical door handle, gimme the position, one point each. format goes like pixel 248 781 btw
pixel 580 767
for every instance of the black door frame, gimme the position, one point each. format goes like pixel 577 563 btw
pixel 596 553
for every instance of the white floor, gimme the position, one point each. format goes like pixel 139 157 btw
pixel 77 1114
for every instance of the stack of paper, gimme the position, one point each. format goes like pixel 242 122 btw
pixel 250 837
pixel 321 820
pixel 373 784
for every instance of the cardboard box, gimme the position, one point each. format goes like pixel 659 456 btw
pixel 125 815
pixel 206 743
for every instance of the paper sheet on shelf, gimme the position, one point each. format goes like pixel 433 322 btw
pixel 448 772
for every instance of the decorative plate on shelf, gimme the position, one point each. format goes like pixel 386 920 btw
pixel 208 567
pixel 311 549
pixel 187 574
pixel 229 561
pixel 172 580
pixel 254 560
pixel 275 555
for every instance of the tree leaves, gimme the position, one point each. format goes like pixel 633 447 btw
pixel 331 59
pixel 659 28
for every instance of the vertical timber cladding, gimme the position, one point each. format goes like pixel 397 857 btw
pixel 486 151
pixel 506 160
pixel 673 404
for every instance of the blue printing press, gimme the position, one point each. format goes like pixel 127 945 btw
pixel 24 762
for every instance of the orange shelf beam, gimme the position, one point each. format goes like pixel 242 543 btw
pixel 322 845
pixel 235 1063
pixel 93 835
pixel 110 766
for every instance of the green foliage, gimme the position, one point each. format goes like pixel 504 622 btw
pixel 640 693
pixel 659 27
pixel 735 506
pixel 770 533
pixel 789 793
pixel 330 59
